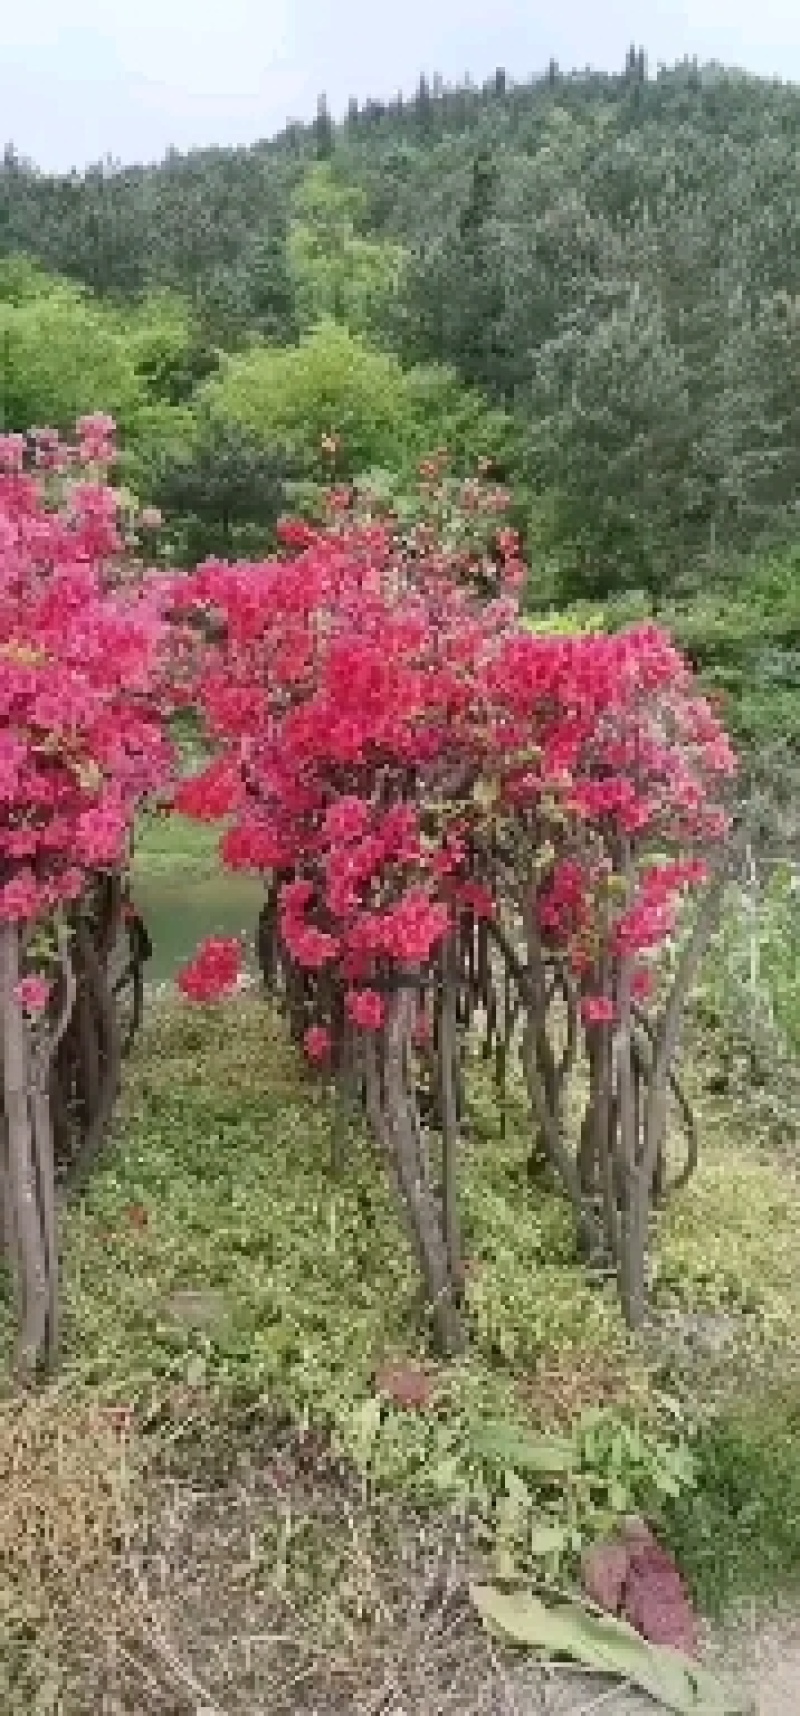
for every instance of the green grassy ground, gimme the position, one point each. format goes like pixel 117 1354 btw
pixel 173 848
pixel 221 1188
pixel 227 1149
pixel 220 1280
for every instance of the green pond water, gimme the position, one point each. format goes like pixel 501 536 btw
pixel 181 913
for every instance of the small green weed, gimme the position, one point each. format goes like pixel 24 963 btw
pixel 738 1533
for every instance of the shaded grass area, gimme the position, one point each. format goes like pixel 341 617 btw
pixel 222 1183
pixel 185 896
pixel 174 848
pixel 737 1535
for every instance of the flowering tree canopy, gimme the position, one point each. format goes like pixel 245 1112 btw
pixel 390 738
pixel 84 663
pixel 81 670
pixel 407 762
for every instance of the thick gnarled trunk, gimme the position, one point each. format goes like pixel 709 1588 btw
pixel 27 1174
pixel 60 1079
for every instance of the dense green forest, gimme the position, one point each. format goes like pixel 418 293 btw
pixel 592 279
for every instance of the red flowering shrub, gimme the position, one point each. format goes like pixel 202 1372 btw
pixel 417 770
pixel 33 994
pixel 214 971
pixel 83 660
pixel 352 689
pixel 317 1044
pixel 365 1009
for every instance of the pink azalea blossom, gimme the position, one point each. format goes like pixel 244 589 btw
pixel 33 994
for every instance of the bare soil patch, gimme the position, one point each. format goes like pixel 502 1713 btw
pixel 264 1580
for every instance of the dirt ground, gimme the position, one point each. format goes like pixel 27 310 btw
pixel 759 1653
pixel 263 1579
pixel 282 1590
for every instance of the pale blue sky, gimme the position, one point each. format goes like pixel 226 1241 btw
pixel 131 77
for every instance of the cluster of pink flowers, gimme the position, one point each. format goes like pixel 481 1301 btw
pixel 33 994
pixel 82 677
pixel 379 722
pixel 317 1044
pixel 366 1009
pixel 562 901
pixel 214 971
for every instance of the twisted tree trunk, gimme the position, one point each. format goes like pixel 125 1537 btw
pixel 27 1179
pixel 60 1080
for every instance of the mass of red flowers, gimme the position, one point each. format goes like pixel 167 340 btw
pixel 214 971
pixel 388 735
pixel 82 676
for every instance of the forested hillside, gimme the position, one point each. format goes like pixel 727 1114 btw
pixel 594 279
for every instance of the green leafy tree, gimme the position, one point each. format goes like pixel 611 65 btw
pixel 424 108
pixel 331 384
pixel 220 494
pixel 272 290
pixel 223 307
pixel 752 435
pixel 451 301
pixel 614 441
pixel 170 353
pixel 334 383
pixel 24 281
pixel 324 137
pixel 448 414
pixel 481 272
pixel 337 272
pixel 471 228
pixel 63 357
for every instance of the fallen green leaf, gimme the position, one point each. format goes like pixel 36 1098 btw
pixel 548 1456
pixel 548 1540
pixel 606 1645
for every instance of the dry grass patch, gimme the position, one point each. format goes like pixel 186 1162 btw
pixel 68 1504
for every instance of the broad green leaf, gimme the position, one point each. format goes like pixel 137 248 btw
pixel 605 1645
pixel 548 1456
pixel 516 1501
pixel 447 1476
pixel 548 1540
pixel 366 1424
